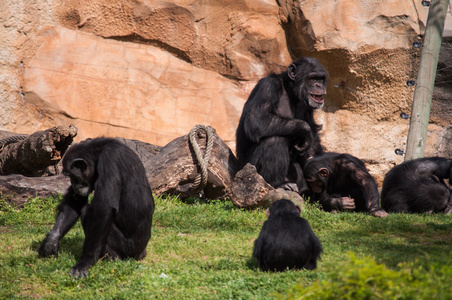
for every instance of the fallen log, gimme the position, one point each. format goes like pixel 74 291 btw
pixel 33 155
pixel 17 189
pixel 174 169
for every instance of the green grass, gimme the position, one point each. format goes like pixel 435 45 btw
pixel 201 250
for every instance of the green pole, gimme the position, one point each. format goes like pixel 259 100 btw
pixel 420 111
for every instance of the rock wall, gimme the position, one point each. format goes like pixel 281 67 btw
pixel 151 70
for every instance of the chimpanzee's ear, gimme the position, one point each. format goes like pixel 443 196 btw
pixel 79 163
pixel 324 172
pixel 298 208
pixel 267 211
pixel 291 70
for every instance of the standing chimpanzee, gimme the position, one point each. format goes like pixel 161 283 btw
pixel 286 240
pixel 342 182
pixel 118 221
pixel 277 132
pixel 418 186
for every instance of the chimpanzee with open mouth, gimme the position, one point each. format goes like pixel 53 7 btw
pixel 277 132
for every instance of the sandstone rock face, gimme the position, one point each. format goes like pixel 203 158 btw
pixel 151 70
pixel 126 89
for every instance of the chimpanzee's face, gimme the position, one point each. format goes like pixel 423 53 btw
pixel 81 176
pixel 310 80
pixel 315 89
pixel 81 187
pixel 316 177
pixel 316 185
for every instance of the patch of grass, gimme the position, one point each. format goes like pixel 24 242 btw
pixel 201 250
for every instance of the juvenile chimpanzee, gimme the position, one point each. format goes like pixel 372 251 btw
pixel 418 186
pixel 286 240
pixel 117 222
pixel 342 182
pixel 277 132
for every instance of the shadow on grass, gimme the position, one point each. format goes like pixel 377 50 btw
pixel 398 238
pixel 72 245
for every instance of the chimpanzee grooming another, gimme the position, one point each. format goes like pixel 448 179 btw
pixel 418 186
pixel 286 240
pixel 342 182
pixel 117 222
pixel 277 132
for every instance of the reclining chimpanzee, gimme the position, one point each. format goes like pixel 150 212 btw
pixel 418 186
pixel 286 240
pixel 342 182
pixel 117 223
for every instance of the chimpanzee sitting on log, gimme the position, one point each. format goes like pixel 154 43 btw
pixel 117 223
pixel 286 240
pixel 277 132
pixel 418 186
pixel 342 182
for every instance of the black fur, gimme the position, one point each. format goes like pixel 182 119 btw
pixel 286 240
pixel 342 182
pixel 118 221
pixel 277 132
pixel 418 186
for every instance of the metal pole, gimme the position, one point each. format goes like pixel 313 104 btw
pixel 420 111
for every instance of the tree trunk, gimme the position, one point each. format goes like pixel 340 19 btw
pixel 34 155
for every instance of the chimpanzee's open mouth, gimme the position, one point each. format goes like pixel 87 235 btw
pixel 317 98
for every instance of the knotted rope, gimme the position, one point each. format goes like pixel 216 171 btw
pixel 201 179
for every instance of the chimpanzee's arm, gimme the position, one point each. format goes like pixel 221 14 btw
pixel 96 226
pixel 368 187
pixel 269 113
pixel 258 243
pixel 68 213
pixel 330 203
pixel 100 214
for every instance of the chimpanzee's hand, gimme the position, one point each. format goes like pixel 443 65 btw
pixel 49 246
pixel 380 213
pixel 80 270
pixel 343 203
pixel 303 142
pixel 448 209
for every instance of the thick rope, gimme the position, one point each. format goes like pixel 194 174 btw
pixel 12 139
pixel 201 179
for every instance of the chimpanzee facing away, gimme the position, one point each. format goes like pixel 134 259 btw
pixel 117 222
pixel 277 132
pixel 342 182
pixel 286 240
pixel 418 186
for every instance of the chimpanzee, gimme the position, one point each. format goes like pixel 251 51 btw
pixel 286 240
pixel 342 182
pixel 277 132
pixel 117 223
pixel 418 186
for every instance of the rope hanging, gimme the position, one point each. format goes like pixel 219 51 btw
pixel 201 179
